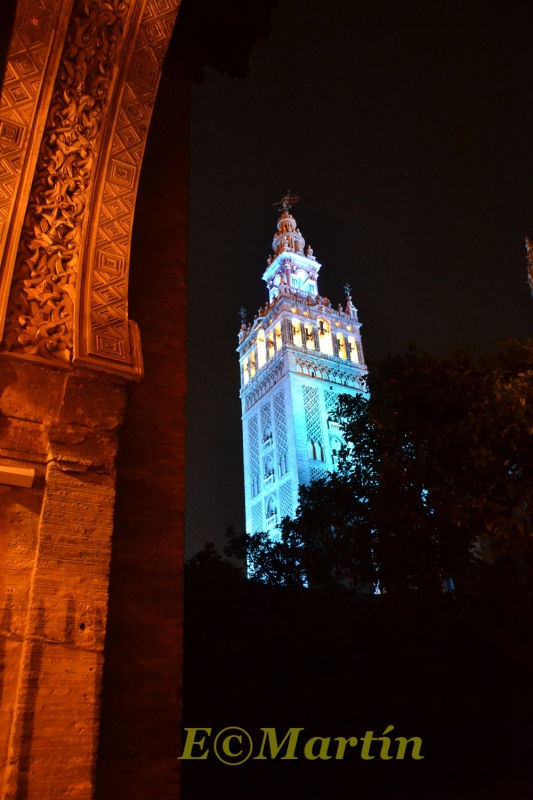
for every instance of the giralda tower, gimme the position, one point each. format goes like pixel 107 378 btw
pixel 296 358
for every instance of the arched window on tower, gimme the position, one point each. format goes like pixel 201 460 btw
pixel 297 332
pixel 352 348
pixel 277 335
pixel 268 473
pixel 261 349
pixel 245 371
pixel 341 346
pixel 336 445
pixel 271 511
pixel 252 364
pixel 309 336
pixel 271 347
pixel 324 337
pixel 315 451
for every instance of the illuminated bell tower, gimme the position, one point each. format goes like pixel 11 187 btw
pixel 296 358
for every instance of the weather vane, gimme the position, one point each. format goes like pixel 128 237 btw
pixel 287 201
pixel 347 290
pixel 242 312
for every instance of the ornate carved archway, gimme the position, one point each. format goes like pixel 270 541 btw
pixel 80 85
pixel 86 75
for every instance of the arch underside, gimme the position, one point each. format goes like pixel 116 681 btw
pixel 80 85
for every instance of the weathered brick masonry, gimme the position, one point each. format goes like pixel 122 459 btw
pixel 56 548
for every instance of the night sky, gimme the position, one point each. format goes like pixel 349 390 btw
pixel 406 130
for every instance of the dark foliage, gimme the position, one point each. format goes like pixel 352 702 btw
pixel 435 481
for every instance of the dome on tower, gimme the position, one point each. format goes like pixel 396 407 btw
pixel 288 236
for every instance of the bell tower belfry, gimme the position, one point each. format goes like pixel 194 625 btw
pixel 296 358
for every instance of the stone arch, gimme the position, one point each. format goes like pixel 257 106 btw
pixel 66 370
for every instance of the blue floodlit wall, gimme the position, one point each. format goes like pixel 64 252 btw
pixel 296 358
pixel 279 432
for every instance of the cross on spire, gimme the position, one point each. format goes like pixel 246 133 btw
pixel 242 312
pixel 288 201
pixel 348 290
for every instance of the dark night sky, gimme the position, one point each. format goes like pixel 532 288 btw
pixel 406 130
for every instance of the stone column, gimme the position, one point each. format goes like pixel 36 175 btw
pixel 55 560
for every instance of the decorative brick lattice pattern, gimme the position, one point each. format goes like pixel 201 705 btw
pixel 285 500
pixel 266 423
pixel 330 399
pixel 257 518
pixel 253 437
pixel 281 431
pixel 317 473
pixel 312 415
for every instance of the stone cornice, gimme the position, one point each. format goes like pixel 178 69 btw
pixel 302 361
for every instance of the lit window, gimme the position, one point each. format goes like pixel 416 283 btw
pixel 352 349
pixel 261 349
pixel 324 337
pixel 297 332
pixel 341 346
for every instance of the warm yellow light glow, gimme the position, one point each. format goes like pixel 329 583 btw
pixel 261 349
pixel 354 355
pixel 278 337
pixel 341 345
pixel 252 365
pixel 324 337
pixel 271 347
pixel 245 371
pixel 297 332
pixel 309 336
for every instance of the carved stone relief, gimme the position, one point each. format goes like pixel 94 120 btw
pixel 36 23
pixel 68 291
pixel 105 331
pixel 40 314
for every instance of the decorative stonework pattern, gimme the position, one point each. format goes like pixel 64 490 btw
pixel 330 400
pixel 313 426
pixel 266 424
pixel 257 518
pixel 108 324
pixel 318 474
pixel 285 500
pixel 330 373
pixel 258 388
pixel 253 441
pixel 28 51
pixel 281 432
pixel 40 317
